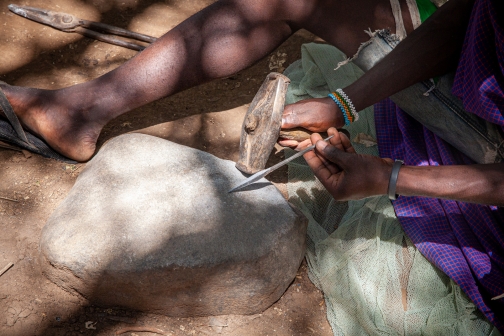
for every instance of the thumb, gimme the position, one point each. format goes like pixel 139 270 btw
pixel 290 120
pixel 333 154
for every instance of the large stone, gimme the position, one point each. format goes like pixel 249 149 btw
pixel 150 225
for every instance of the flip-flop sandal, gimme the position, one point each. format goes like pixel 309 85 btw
pixel 12 133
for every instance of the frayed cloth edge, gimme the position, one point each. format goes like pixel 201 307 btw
pixel 385 33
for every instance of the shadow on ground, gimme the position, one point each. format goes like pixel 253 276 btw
pixel 31 187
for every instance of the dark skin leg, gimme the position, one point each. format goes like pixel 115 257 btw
pixel 220 40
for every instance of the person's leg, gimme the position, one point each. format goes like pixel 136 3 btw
pixel 218 41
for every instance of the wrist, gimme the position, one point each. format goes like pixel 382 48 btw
pixel 345 106
pixel 336 112
pixel 394 175
pixel 382 177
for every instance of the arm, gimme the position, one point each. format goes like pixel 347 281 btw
pixel 480 183
pixel 347 175
pixel 431 50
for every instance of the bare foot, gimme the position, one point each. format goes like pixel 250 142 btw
pixel 68 131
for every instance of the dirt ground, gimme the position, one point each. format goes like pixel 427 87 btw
pixel 208 118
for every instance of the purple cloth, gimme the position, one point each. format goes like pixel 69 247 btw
pixel 479 80
pixel 466 241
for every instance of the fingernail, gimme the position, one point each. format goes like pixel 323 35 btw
pixel 321 144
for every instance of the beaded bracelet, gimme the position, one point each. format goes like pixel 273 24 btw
pixel 342 108
pixel 349 103
pixel 345 106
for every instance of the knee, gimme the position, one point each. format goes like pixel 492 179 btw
pixel 273 10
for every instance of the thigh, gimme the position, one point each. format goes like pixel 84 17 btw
pixel 341 23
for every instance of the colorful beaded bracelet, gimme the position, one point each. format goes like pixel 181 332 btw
pixel 349 103
pixel 346 107
pixel 342 108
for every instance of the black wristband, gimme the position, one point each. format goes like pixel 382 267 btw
pixel 393 179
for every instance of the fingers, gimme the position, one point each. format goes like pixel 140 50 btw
pixel 336 138
pixel 315 137
pixel 333 169
pixel 340 140
pixel 303 144
pixel 336 156
pixel 318 167
pixel 288 143
pixel 293 144
pixel 290 118
pixel 347 144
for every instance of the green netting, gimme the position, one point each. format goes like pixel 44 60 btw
pixel 374 280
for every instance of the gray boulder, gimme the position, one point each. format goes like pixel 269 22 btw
pixel 150 225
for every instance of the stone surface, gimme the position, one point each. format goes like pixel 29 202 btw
pixel 150 225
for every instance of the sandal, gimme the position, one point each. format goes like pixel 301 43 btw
pixel 12 133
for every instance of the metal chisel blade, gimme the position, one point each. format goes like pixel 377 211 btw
pixel 259 175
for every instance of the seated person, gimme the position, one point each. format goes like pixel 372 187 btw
pixel 443 213
pixel 231 35
pixel 216 42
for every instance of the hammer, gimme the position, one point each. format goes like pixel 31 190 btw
pixel 262 124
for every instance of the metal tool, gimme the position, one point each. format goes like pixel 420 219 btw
pixel 71 24
pixel 264 172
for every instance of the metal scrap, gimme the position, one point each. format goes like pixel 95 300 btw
pixel 6 268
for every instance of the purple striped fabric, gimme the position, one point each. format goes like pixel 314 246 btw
pixel 464 240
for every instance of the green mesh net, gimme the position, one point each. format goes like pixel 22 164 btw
pixel 374 280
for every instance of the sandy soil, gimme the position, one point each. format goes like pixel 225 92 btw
pixel 208 118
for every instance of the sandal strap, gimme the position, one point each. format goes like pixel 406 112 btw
pixel 13 119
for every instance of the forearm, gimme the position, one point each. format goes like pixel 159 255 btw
pixel 482 184
pixel 431 50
